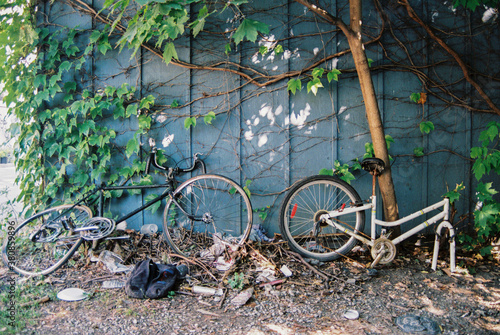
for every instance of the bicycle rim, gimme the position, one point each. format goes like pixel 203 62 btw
pixel 207 217
pixel 302 208
pixel 31 256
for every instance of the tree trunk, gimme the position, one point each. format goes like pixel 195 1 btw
pixel 353 34
pixel 372 112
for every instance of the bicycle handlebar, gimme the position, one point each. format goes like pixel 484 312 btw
pixel 175 171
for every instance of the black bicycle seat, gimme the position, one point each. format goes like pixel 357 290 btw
pixel 373 164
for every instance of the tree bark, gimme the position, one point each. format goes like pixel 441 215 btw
pixel 353 34
pixel 386 184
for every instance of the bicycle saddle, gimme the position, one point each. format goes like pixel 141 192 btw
pixel 373 164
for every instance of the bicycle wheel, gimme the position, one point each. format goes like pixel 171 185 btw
pixel 44 242
pixel 300 212
pixel 206 217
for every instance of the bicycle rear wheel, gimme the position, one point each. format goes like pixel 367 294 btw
pixel 206 217
pixel 301 210
pixel 43 243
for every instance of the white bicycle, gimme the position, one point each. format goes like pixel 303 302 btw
pixel 323 217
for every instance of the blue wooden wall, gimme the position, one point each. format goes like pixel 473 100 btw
pixel 274 138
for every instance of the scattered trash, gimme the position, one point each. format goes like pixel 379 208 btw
pixel 183 270
pixel 121 226
pixel 113 262
pixel 266 274
pixel 411 323
pixel 113 284
pixel 286 271
pixel 222 265
pixel 149 229
pixel 151 280
pixel 215 249
pixel 207 290
pixel 72 294
pixel 258 234
pixel 242 297
pixel 351 314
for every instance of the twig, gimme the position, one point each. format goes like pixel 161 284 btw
pixel 38 301
pixel 299 257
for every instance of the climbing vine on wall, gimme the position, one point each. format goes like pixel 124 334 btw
pixel 68 113
pixel 64 148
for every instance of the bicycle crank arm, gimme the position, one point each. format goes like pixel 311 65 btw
pixel 379 257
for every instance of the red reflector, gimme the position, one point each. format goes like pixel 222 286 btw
pixel 294 210
pixel 342 208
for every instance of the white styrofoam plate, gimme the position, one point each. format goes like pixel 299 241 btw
pixel 72 294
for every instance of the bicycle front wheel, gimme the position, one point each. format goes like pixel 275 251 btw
pixel 206 217
pixel 44 242
pixel 300 216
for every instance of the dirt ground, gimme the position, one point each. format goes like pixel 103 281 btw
pixel 313 300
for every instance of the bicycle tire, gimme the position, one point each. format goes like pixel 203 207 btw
pixel 306 201
pixel 27 257
pixel 221 203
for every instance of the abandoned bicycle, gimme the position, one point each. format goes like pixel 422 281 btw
pixel 201 214
pixel 323 217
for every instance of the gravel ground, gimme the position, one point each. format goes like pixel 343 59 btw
pixel 312 301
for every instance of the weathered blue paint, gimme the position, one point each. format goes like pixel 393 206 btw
pixel 274 138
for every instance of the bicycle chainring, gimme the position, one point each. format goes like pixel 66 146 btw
pixel 383 244
pixel 103 228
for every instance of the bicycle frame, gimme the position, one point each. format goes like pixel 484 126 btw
pixel 169 188
pixel 443 215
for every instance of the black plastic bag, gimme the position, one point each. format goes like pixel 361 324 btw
pixel 151 280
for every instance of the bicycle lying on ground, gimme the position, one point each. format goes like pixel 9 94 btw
pixel 323 217
pixel 203 216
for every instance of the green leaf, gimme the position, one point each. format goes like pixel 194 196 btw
pixel 370 61
pixel 131 110
pixel 326 172
pixel 189 121
pixel 154 207
pixel 209 117
pixel 65 66
pixel 96 34
pixel 249 28
pixel 426 127
pixel 174 104
pixel 263 50
pixel 169 52
pixel 293 85
pixel 318 72
pixel 485 251
pixel 333 75
pixel 144 122
pixel 314 85
pixel 70 86
pixel 132 147
pixel 479 169
pixel 388 141
pixel 419 152
pixel 227 48
pixel 485 192
pixel 454 195
pixel 278 49
pixel 104 47
pixel 415 97
pixel 147 102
